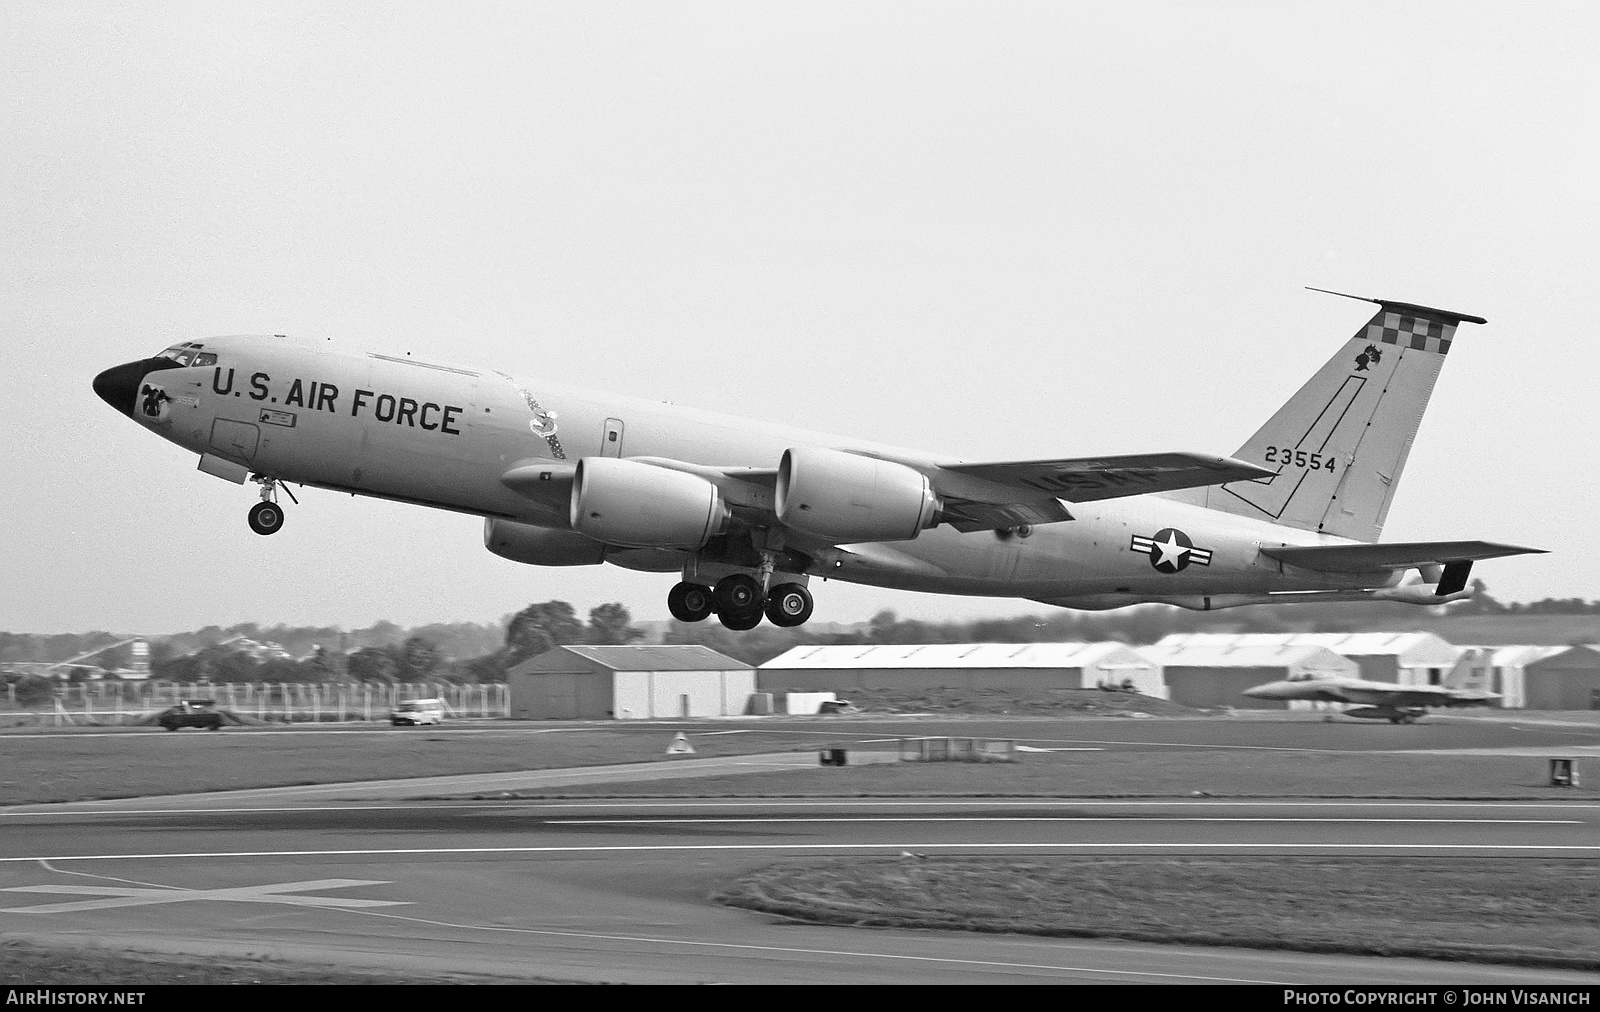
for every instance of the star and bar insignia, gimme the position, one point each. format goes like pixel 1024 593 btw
pixel 1170 550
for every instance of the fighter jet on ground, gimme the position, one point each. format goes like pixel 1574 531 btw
pixel 748 512
pixel 1398 704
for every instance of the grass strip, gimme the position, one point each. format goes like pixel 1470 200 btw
pixel 24 964
pixel 1481 910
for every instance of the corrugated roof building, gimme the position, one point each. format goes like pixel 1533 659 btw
pixel 1414 658
pixel 961 666
pixel 630 682
pixel 1541 677
pixel 1211 674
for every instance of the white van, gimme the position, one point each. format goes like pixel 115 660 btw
pixel 417 711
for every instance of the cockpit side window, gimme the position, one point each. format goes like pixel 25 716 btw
pixel 206 358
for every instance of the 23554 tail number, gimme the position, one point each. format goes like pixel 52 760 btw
pixel 1299 458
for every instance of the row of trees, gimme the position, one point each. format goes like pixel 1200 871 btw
pixel 416 658
pixel 468 652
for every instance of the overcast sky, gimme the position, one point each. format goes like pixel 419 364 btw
pixel 995 230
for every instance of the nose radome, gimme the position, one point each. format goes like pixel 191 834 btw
pixel 119 385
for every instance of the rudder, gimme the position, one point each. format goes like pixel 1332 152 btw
pixel 1340 443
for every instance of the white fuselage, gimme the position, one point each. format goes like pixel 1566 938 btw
pixel 443 436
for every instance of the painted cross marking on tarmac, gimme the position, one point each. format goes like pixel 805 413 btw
pixel 122 896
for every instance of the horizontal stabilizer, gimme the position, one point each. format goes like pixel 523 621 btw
pixel 1086 479
pixel 1401 555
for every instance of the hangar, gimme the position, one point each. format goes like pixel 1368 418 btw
pixel 1038 666
pixel 1214 674
pixel 1414 658
pixel 1545 677
pixel 629 682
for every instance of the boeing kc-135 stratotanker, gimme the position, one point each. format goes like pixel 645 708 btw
pixel 749 512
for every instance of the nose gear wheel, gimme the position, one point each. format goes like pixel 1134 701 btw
pixel 266 516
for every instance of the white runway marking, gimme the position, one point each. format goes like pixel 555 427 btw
pixel 80 809
pixel 866 819
pixel 1065 748
pixel 136 897
pixel 1127 846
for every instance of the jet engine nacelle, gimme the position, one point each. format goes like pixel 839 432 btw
pixel 540 546
pixel 624 502
pixel 849 498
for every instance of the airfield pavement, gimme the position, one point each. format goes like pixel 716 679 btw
pixel 589 872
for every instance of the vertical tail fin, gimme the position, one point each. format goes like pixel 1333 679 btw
pixel 1340 444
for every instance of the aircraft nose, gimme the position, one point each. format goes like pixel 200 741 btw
pixel 119 385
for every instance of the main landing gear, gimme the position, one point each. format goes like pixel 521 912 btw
pixel 266 516
pixel 738 603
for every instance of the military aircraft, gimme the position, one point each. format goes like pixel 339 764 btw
pixel 1398 704
pixel 747 513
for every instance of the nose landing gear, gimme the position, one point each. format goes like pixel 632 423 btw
pixel 738 603
pixel 266 516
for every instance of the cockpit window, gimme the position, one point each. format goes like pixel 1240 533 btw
pixel 187 353
pixel 206 358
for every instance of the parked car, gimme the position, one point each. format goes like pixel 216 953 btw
pixel 410 712
pixel 191 713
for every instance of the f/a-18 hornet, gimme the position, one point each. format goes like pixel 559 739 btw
pixel 747 513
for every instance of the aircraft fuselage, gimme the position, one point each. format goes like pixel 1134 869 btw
pixel 401 428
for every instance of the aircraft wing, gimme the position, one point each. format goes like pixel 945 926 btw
pixel 1009 493
pixel 1411 695
pixel 976 497
pixel 1400 555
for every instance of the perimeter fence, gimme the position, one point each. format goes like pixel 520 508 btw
pixel 129 702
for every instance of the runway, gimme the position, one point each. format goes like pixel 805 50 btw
pixel 616 890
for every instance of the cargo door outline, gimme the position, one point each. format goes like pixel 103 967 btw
pixel 1318 434
pixel 237 441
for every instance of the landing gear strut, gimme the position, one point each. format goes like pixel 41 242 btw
pixel 266 516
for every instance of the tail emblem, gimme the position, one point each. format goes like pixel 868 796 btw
pixel 1170 550
pixel 1372 356
pixel 1414 332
